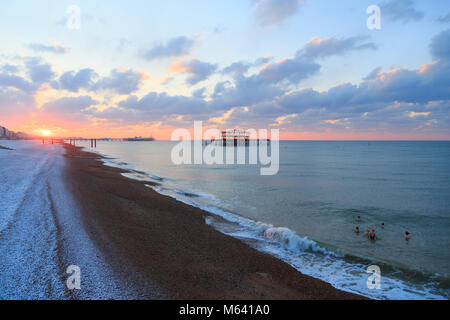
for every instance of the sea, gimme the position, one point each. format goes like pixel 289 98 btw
pixel 306 214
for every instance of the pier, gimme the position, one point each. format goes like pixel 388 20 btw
pixel 236 137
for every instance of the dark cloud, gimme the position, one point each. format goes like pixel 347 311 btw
pixel 220 87
pixel 400 10
pixel 275 12
pixel 245 91
pixel 9 68
pixel 199 93
pixel 242 67
pixel 237 67
pixel 74 81
pixel 155 103
pixel 14 81
pixel 290 70
pixel 431 83
pixel 121 82
pixel 173 48
pixel 39 71
pixel 440 46
pixel 198 70
pixel 68 105
pixel 319 48
pixel 373 74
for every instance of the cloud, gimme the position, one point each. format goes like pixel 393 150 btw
pixel 38 71
pixel 275 12
pixel 290 70
pixel 400 10
pixel 54 47
pixel 199 93
pixel 157 104
pixel 14 103
pixel 391 101
pixel 444 19
pixel 9 68
pixel 120 81
pixel 440 46
pixel 69 105
pixel 13 81
pixel 398 85
pixel 242 67
pixel 198 70
pixel 413 114
pixel 373 74
pixel 68 111
pixel 319 48
pixel 173 48
pixel 237 67
pixel 245 91
pixel 71 81
pixel 283 119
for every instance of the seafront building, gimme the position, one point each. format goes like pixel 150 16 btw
pixel 5 134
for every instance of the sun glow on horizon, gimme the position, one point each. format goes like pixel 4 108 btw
pixel 46 132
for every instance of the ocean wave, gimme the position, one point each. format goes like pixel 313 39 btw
pixel 342 270
pixel 290 240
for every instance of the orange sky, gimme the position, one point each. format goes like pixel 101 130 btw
pixel 162 132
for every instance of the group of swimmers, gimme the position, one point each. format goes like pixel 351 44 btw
pixel 371 233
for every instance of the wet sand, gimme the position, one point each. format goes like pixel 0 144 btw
pixel 168 243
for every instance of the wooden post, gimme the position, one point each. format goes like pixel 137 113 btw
pixel 95 143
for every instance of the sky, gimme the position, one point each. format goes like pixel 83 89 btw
pixel 311 68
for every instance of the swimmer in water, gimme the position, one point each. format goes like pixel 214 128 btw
pixel 407 235
pixel 358 218
pixel 382 225
pixel 367 233
pixel 357 230
pixel 373 236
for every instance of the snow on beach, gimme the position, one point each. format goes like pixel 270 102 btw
pixel 41 232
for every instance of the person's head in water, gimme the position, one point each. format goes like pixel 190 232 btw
pixel 356 229
pixel 367 232
pixel 358 218
pixel 373 235
pixel 382 225
pixel 407 235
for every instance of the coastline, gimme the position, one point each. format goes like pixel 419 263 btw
pixel 170 245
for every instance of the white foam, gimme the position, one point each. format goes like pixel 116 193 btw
pixel 302 253
pixel 307 256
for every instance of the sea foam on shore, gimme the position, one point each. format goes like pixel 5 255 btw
pixel 343 271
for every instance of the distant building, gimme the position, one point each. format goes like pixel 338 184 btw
pixel 5 134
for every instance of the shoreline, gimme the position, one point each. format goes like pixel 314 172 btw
pixel 170 245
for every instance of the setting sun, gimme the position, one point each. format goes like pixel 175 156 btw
pixel 46 132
